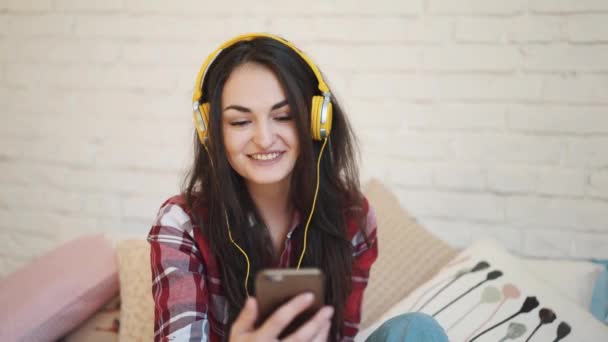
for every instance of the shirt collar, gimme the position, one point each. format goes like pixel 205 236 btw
pixel 295 221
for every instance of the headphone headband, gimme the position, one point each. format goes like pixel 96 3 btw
pixel 321 106
pixel 198 92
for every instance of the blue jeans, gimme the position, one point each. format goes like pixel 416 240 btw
pixel 409 327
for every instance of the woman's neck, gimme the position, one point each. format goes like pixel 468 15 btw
pixel 272 201
pixel 272 198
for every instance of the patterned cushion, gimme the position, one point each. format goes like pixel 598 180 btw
pixel 486 292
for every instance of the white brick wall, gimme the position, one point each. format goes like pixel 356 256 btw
pixel 486 117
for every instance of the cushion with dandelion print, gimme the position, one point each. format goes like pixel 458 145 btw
pixel 487 294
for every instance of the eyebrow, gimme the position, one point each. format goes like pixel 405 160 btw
pixel 247 110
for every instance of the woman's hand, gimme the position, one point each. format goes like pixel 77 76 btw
pixel 316 329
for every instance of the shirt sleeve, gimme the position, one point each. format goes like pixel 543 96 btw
pixel 365 252
pixel 178 283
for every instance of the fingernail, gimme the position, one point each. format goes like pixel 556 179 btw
pixel 329 311
pixel 308 297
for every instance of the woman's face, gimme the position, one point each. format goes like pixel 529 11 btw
pixel 259 130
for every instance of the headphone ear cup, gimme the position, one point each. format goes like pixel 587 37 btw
pixel 201 121
pixel 315 117
pixel 329 120
pixel 320 129
pixel 205 108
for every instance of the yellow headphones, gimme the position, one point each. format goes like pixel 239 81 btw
pixel 321 109
pixel 320 121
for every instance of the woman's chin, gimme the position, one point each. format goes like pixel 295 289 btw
pixel 268 175
pixel 266 181
pixel 267 178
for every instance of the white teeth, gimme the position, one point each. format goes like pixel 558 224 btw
pixel 267 156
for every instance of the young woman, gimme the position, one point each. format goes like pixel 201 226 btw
pixel 274 184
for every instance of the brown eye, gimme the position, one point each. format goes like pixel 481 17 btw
pixel 239 123
pixel 285 117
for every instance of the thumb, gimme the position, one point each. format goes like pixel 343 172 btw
pixel 246 319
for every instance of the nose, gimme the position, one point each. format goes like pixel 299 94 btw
pixel 264 135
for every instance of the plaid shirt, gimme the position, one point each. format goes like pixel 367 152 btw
pixel 186 288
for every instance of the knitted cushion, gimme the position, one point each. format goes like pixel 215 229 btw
pixel 408 255
pixel 137 306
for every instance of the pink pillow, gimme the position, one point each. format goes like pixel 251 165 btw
pixel 53 294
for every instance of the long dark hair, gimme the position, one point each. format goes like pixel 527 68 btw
pixel 328 245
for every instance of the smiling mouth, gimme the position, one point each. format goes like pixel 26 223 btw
pixel 265 156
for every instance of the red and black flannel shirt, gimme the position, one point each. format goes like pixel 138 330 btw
pixel 186 287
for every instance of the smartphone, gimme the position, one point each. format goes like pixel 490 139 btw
pixel 275 287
